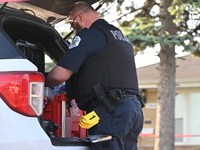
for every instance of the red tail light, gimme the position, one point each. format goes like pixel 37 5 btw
pixel 23 92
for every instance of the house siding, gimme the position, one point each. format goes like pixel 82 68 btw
pixel 187 83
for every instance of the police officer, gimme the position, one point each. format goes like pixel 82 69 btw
pixel 100 72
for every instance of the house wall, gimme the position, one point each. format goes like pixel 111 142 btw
pixel 149 118
pixel 176 148
pixel 184 96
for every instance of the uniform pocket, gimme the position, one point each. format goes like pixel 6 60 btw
pixel 125 108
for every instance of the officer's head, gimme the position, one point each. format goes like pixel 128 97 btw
pixel 81 16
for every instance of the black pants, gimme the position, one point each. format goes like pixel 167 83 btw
pixel 124 124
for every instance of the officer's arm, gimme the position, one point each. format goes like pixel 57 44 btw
pixel 57 76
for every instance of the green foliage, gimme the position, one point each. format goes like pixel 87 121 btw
pixel 49 66
pixel 141 40
pixel 182 9
pixel 144 29
pixel 64 33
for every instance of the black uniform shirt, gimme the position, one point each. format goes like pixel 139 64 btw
pixel 84 46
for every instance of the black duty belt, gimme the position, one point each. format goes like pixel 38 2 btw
pixel 127 94
pixel 137 94
pixel 94 103
pixel 97 102
pixel 131 96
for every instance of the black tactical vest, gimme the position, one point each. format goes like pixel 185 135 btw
pixel 113 67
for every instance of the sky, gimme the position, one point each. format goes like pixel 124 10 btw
pixel 150 57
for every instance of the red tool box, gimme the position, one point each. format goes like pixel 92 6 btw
pixel 66 115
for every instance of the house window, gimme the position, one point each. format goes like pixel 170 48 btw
pixel 187 111
pixel 193 117
pixel 179 129
pixel 179 116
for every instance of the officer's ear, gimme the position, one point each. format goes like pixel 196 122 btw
pixel 80 17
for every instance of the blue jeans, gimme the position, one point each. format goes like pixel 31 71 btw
pixel 124 124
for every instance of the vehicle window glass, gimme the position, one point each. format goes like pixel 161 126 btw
pixel 7 50
pixel 49 63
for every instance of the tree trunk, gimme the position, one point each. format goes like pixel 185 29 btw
pixel 166 88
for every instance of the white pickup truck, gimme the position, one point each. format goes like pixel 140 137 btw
pixel 28 119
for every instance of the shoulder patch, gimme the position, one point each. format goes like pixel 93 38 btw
pixel 75 42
